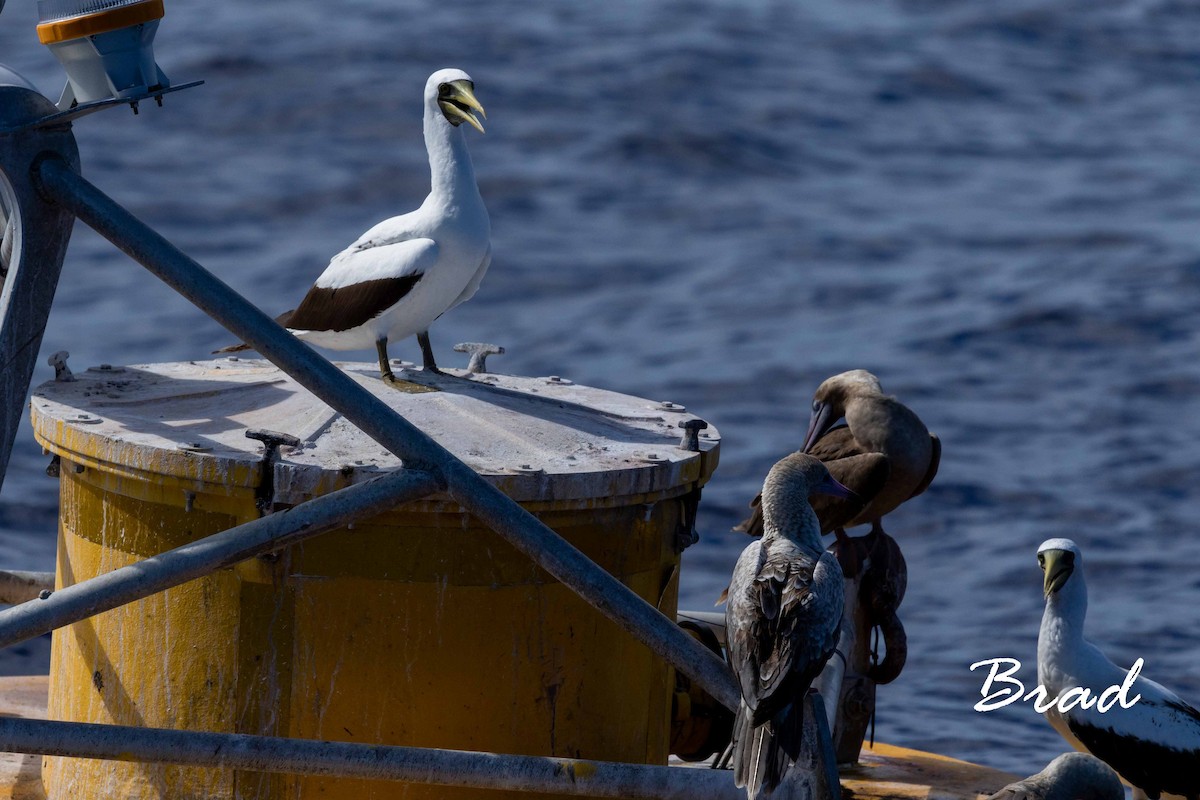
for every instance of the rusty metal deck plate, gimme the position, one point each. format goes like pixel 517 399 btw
pixel 537 439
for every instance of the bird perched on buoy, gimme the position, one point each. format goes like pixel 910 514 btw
pixel 884 453
pixel 407 271
pixel 782 622
pixel 1153 743
pixel 1071 776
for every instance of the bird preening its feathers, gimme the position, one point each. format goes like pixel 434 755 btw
pixel 883 452
pixel 782 622
pixel 405 272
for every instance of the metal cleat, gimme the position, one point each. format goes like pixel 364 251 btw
pixel 691 434
pixel 479 352
pixel 62 373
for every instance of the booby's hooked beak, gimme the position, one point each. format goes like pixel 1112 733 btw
pixel 821 421
pixel 1057 566
pixel 456 99
pixel 833 486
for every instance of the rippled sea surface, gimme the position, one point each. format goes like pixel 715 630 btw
pixel 992 206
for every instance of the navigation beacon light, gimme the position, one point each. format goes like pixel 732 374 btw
pixel 105 46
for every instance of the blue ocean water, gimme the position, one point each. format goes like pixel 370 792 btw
pixel 992 206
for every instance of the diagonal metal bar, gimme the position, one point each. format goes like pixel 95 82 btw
pixel 458 768
pixel 520 528
pixel 199 558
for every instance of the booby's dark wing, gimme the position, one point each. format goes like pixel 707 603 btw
pixel 935 458
pixel 1156 749
pixel 784 629
pixel 361 283
pixel 865 475
pixel 835 443
pixel 782 624
pixel 349 306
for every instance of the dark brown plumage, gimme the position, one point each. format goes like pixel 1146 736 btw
pixel 883 452
pixel 346 307
pixel 865 473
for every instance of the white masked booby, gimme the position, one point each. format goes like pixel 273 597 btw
pixel 884 453
pixel 407 271
pixel 782 622
pixel 1155 743
pixel 1071 776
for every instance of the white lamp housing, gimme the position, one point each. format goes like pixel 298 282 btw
pixel 105 46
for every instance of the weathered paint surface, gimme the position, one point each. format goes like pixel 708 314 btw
pixel 536 440
pixel 415 628
pixel 887 772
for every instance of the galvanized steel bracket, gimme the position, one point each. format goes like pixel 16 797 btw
pixel 38 231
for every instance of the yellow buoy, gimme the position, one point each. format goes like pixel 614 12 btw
pixel 419 627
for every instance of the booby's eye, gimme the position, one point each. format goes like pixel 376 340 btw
pixel 443 89
pixel 1042 560
pixel 816 406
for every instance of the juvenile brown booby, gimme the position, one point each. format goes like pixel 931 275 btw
pixel 407 271
pixel 884 453
pixel 1071 776
pixel 1153 743
pixel 782 622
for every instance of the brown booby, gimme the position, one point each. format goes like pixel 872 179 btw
pixel 1071 776
pixel 407 271
pixel 883 452
pixel 1148 735
pixel 782 622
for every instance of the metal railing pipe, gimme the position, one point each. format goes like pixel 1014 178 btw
pixel 376 419
pixel 564 776
pixel 17 586
pixel 197 559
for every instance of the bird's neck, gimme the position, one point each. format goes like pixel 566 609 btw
pixel 786 518
pixel 452 177
pixel 1062 621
